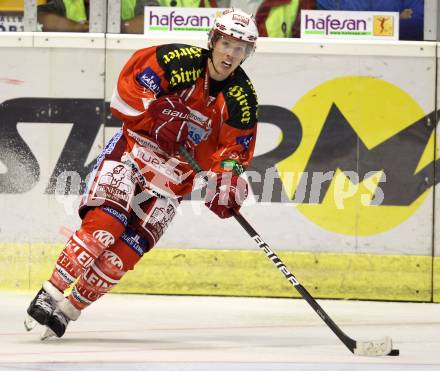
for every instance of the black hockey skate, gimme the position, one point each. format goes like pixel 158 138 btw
pixel 42 306
pixel 60 318
pixel 56 325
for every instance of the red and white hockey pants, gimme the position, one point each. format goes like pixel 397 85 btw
pixel 103 250
pixel 121 221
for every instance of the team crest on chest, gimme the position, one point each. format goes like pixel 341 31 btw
pixel 199 128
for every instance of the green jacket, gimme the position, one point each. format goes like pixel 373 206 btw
pixel 77 11
pixel 275 18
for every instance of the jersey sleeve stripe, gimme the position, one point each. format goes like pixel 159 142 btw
pixel 118 104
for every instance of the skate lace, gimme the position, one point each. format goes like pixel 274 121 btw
pixel 44 301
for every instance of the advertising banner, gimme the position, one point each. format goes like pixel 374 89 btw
pixel 334 24
pixel 342 180
pixel 48 131
pixel 325 160
pixel 11 22
pixel 436 249
pixel 161 20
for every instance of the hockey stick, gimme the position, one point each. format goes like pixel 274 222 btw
pixel 380 347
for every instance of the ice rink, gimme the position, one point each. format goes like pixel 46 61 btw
pixel 164 333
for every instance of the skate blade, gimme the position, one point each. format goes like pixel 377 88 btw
pixel 47 333
pixel 29 323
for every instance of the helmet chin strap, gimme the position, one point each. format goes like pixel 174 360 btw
pixel 212 60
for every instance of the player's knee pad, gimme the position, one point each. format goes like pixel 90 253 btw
pixel 105 224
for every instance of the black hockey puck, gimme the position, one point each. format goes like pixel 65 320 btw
pixel 394 352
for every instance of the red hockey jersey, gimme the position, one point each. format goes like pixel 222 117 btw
pixel 225 112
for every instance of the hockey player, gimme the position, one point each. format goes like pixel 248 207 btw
pixel 166 96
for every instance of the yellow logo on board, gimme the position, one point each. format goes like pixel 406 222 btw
pixel 375 111
pixel 383 25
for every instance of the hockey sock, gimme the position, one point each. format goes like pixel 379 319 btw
pixel 103 275
pixel 98 231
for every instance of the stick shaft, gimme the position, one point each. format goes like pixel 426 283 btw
pixel 273 257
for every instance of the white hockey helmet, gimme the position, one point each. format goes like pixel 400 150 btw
pixel 237 24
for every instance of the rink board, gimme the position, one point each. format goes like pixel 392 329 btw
pixel 241 273
pixel 436 278
pixel 54 117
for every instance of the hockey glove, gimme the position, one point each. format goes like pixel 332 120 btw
pixel 225 194
pixel 170 128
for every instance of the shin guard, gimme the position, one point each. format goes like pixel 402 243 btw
pixel 79 253
pixel 98 231
pixel 104 274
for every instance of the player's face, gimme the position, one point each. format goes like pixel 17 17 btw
pixel 227 55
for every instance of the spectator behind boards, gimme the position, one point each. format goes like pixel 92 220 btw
pixel 189 3
pixel 411 12
pixel 73 16
pixel 276 18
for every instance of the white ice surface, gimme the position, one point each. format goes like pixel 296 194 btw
pixel 187 333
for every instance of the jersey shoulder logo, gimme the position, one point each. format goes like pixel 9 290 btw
pixel 241 101
pixel 244 140
pixel 150 80
pixel 183 64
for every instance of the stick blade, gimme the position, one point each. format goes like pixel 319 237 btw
pixel 376 348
